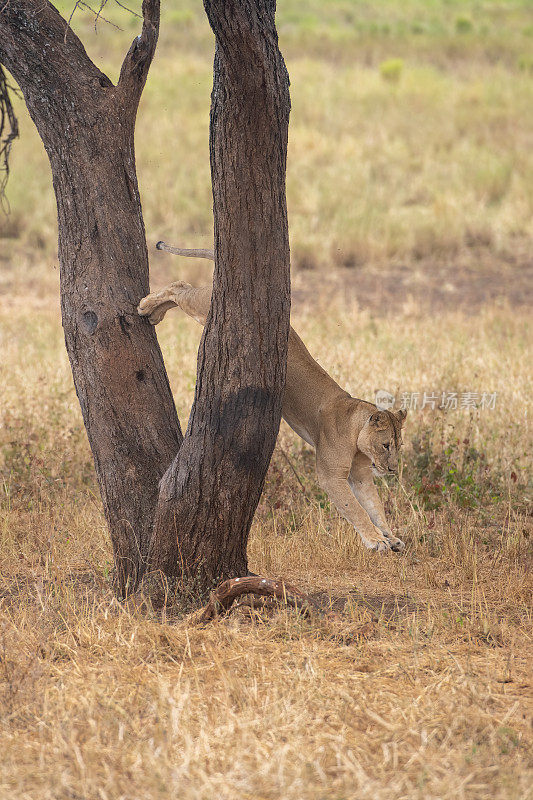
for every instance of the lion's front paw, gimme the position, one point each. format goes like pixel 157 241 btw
pixel 395 544
pixel 382 541
pixel 376 541
pixel 153 307
pixel 147 305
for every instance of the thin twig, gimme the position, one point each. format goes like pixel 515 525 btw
pixel 102 4
pixel 9 131
pixel 293 468
pixel 97 15
pixel 128 9
pixel 78 3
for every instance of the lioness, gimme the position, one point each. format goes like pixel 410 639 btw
pixel 350 436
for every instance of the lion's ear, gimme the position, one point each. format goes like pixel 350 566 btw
pixel 400 415
pixel 379 420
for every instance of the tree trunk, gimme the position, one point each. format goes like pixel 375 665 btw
pixel 87 126
pixel 210 492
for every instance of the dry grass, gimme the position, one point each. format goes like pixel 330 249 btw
pixel 104 704
pixel 420 685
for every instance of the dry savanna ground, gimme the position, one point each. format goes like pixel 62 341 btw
pixel 410 205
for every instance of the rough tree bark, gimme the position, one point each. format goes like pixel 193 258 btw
pixel 87 127
pixel 210 493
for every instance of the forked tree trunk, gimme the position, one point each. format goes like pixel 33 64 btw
pixel 87 127
pixel 210 493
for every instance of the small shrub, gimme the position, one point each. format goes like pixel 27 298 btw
pixel 452 471
pixel 463 24
pixel 11 225
pixel 304 257
pixel 525 63
pixel 492 179
pixel 391 69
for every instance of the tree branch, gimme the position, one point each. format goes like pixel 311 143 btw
pixel 225 595
pixel 40 50
pixel 137 62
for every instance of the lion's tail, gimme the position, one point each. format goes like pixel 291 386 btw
pixel 180 251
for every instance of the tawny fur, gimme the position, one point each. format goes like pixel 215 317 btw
pixel 350 436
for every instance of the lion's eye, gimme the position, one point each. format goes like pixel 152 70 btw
pixel 387 446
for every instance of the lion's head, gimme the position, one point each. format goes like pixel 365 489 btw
pixel 381 438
